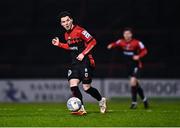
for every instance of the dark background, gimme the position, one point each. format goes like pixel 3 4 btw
pixel 27 27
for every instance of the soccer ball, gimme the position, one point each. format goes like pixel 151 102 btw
pixel 74 104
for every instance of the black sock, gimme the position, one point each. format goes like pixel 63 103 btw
pixel 140 91
pixel 134 93
pixel 76 92
pixel 94 93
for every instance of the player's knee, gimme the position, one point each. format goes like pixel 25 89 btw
pixel 86 86
pixel 73 85
pixel 133 81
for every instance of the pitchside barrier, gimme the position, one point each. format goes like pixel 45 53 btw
pixel 57 90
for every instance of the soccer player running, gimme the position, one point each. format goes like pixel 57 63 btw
pixel 133 51
pixel 79 43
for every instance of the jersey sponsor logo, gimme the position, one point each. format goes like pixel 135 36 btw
pixel 74 48
pixel 73 40
pixel 86 34
pixel 128 53
pixel 128 47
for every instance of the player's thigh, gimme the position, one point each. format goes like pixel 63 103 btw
pixel 74 82
pixel 133 81
pixel 86 86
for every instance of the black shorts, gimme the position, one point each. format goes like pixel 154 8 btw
pixel 83 72
pixel 134 71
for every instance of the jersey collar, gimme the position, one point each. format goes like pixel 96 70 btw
pixel 128 41
pixel 71 29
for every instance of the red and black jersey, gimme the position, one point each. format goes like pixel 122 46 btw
pixel 78 40
pixel 131 48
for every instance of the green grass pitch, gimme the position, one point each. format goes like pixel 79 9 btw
pixel 163 112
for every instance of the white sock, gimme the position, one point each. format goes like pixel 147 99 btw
pixel 134 102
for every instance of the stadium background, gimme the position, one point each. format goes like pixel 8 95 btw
pixel 33 71
pixel 27 28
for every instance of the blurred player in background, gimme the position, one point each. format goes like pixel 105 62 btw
pixel 133 51
pixel 79 43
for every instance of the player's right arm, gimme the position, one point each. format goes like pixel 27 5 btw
pixel 57 43
pixel 114 44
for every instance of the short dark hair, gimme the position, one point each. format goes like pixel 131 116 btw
pixel 128 29
pixel 64 14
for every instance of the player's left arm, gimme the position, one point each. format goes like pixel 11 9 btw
pixel 91 42
pixel 142 51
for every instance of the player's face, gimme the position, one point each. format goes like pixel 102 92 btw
pixel 67 22
pixel 127 35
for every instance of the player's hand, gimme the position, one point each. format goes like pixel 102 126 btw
pixel 80 57
pixel 55 41
pixel 136 57
pixel 109 46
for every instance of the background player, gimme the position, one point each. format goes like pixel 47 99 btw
pixel 80 44
pixel 133 50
